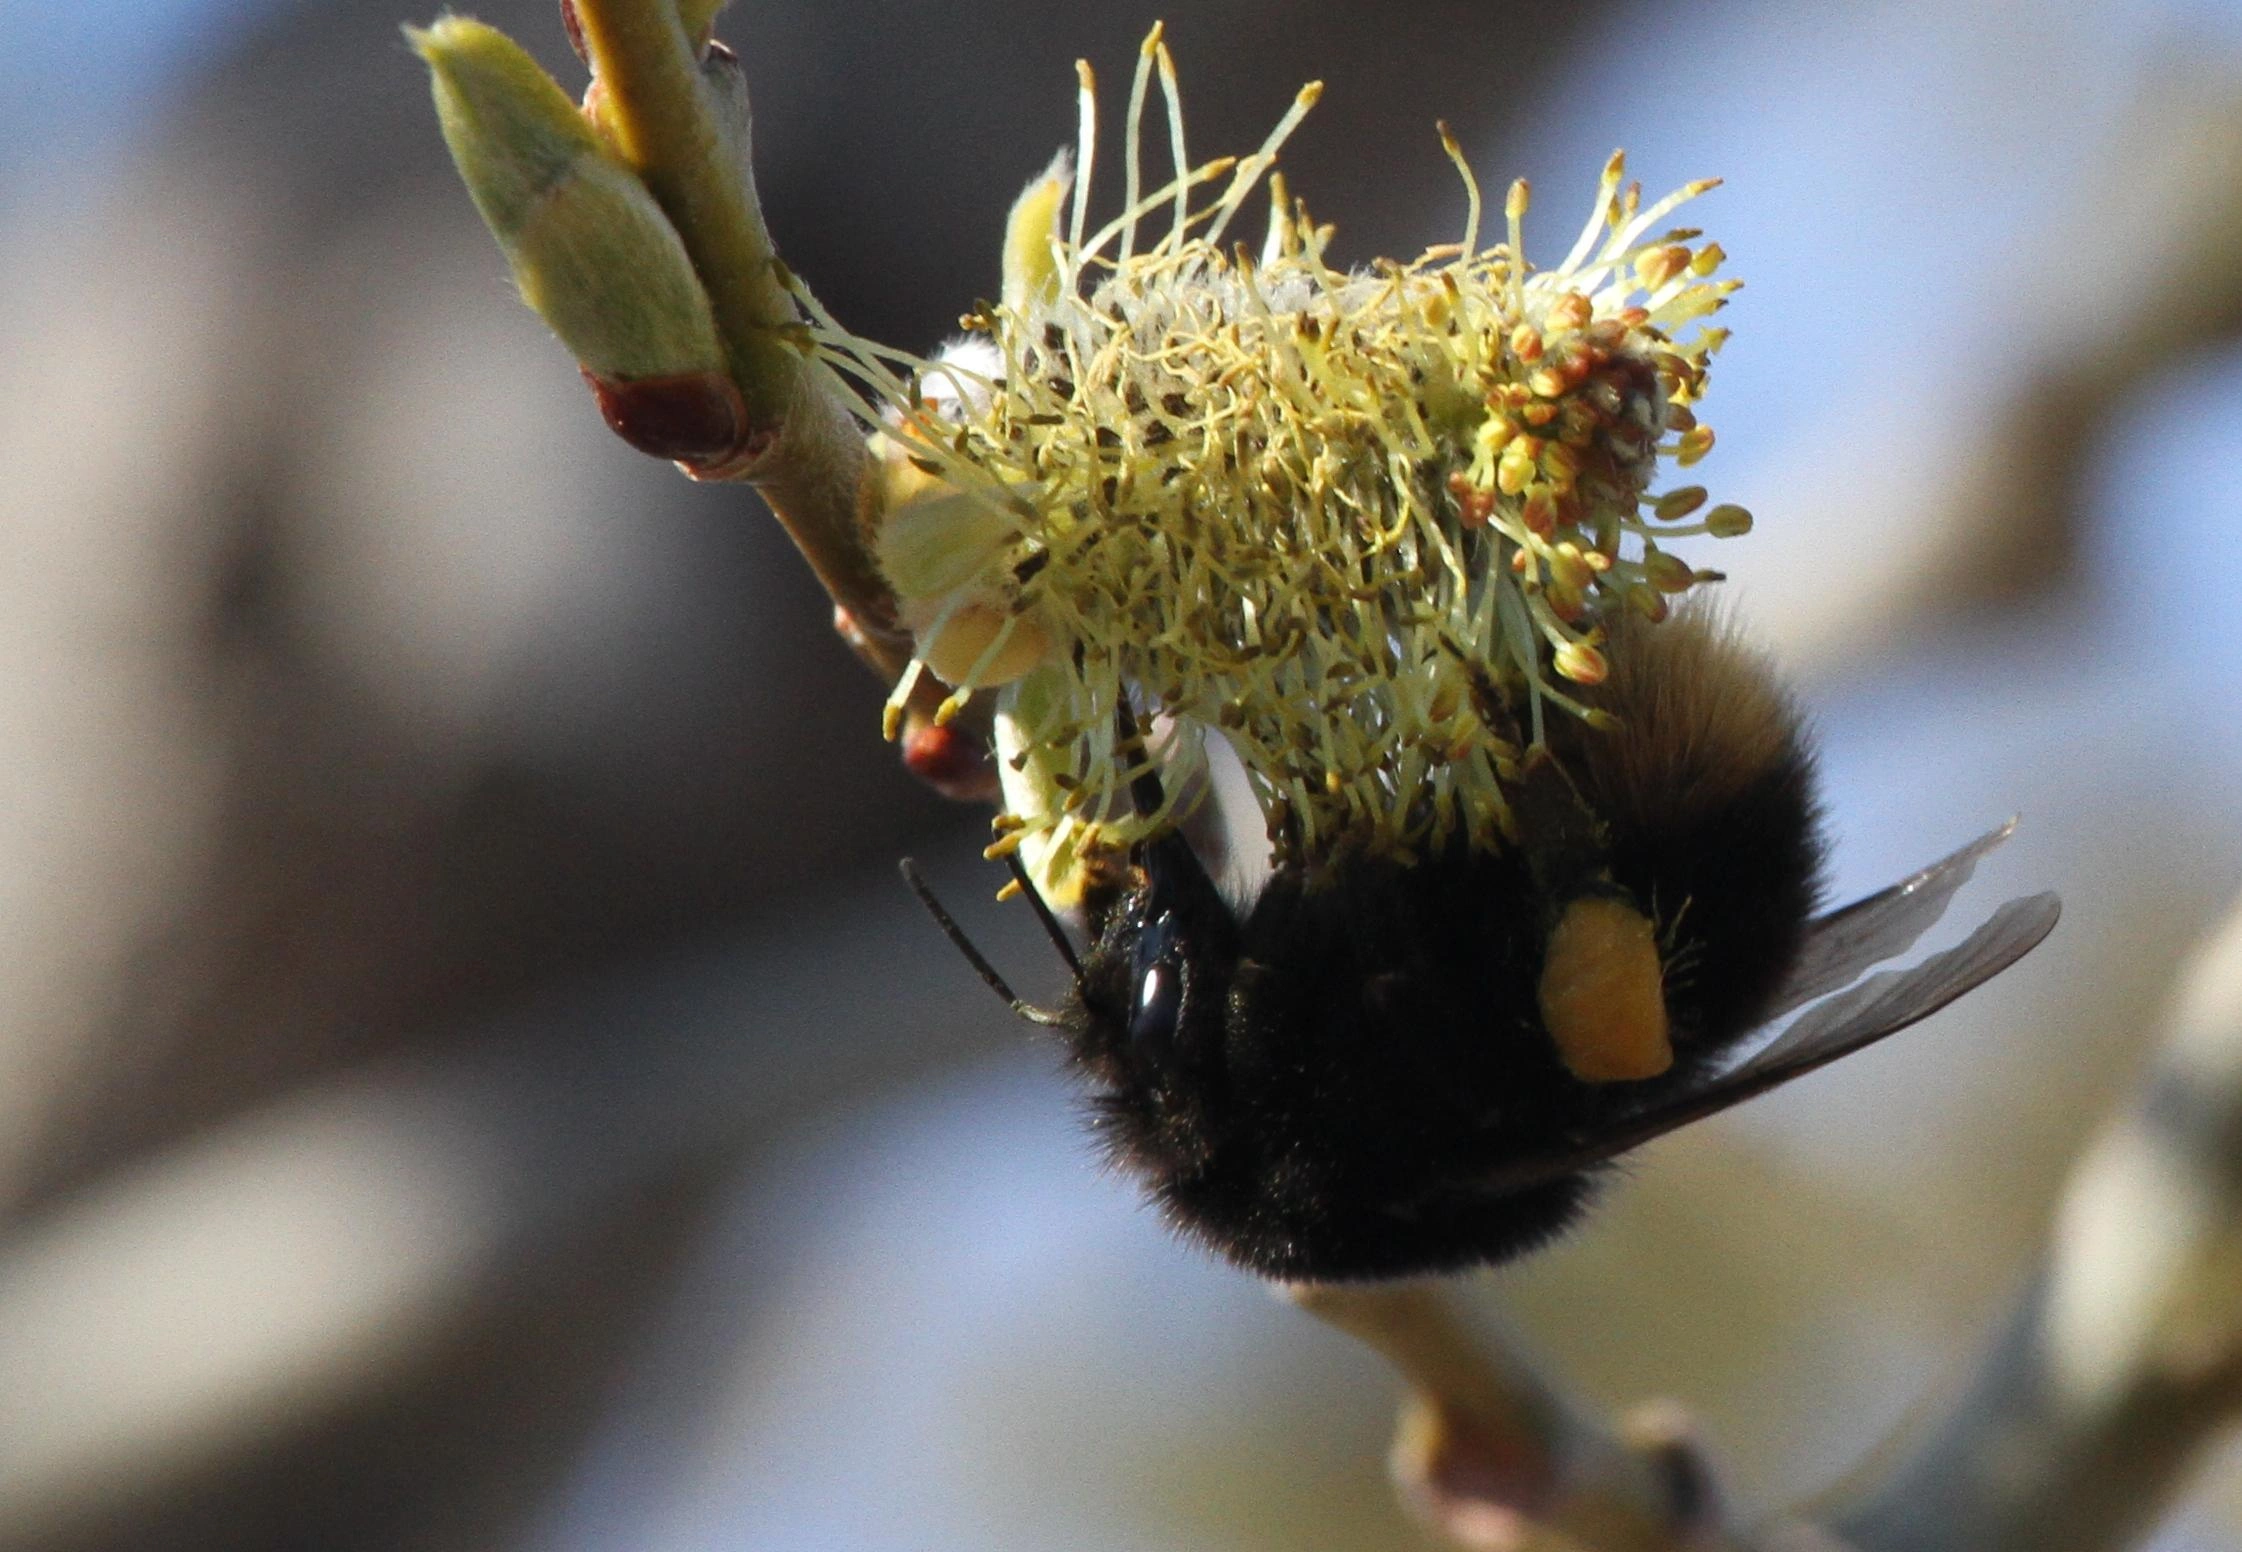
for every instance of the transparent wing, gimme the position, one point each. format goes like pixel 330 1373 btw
pixel 1844 942
pixel 1889 1001
pixel 1884 1004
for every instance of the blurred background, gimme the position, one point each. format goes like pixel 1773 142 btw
pixel 469 1076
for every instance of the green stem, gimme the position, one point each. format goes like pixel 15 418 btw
pixel 809 458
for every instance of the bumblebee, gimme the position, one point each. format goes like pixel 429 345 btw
pixel 1380 1068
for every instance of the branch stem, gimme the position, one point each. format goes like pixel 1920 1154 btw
pixel 678 114
pixel 1493 1457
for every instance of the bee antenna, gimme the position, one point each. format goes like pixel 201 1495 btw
pixel 1044 915
pixel 973 956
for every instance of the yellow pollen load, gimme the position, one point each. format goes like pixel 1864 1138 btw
pixel 1603 997
pixel 1365 525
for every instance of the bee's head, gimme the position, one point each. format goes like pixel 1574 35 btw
pixel 1155 994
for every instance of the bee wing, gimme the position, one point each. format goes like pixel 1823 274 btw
pixel 1844 942
pixel 1888 1002
pixel 1884 1004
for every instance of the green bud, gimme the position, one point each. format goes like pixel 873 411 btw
pixel 591 250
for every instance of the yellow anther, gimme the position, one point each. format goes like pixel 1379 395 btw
pixel 1581 663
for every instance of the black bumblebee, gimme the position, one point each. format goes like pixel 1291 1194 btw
pixel 1378 1069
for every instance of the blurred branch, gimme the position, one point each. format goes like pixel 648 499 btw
pixel 329 1244
pixel 2124 1357
pixel 1489 1454
pixel 2138 278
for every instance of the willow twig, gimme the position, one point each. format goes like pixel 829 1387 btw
pixel 676 110
pixel 1493 1457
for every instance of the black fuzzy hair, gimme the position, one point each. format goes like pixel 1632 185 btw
pixel 1319 1086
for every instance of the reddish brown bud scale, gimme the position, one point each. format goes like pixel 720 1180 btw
pixel 573 25
pixel 697 419
pixel 951 761
pixel 742 462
